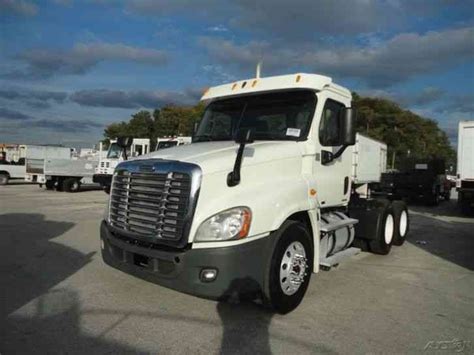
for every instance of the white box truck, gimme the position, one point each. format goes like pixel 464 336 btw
pixel 265 196
pixel 35 159
pixel 465 166
pixel 106 166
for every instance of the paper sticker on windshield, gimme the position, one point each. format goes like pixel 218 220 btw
pixel 293 132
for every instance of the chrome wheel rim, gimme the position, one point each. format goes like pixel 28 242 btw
pixel 293 268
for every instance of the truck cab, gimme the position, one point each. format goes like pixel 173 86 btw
pixel 115 155
pixel 265 196
pixel 168 142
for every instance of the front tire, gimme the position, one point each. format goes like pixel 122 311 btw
pixel 291 267
pixel 71 185
pixel 4 179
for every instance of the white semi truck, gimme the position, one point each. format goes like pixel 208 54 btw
pixel 465 166
pixel 115 155
pixel 168 142
pixel 269 192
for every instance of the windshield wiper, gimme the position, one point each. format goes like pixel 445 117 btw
pixel 210 138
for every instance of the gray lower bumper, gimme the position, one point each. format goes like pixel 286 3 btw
pixel 240 269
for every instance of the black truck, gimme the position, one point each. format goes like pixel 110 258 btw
pixel 421 181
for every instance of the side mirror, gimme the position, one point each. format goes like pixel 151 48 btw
pixel 124 142
pixel 244 136
pixel 348 132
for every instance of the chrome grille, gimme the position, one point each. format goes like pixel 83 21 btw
pixel 149 204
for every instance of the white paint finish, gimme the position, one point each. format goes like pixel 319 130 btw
pixel 14 171
pixel 281 82
pixel 466 150
pixel 329 179
pixel 369 160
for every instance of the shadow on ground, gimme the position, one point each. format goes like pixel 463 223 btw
pixel 30 261
pixel 444 231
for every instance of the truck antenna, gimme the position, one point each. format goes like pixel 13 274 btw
pixel 259 69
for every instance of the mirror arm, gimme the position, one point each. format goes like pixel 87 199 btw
pixel 336 155
pixel 124 151
pixel 233 178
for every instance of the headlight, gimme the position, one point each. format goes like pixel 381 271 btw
pixel 226 225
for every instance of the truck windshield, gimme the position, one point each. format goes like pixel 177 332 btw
pixel 272 116
pixel 114 151
pixel 167 144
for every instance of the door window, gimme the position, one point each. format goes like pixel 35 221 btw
pixel 329 127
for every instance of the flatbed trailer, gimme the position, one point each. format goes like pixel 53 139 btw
pixel 425 182
pixel 69 174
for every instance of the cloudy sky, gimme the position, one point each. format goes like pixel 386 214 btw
pixel 69 67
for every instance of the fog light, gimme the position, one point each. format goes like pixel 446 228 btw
pixel 208 275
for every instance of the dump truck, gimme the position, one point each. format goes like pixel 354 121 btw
pixel 465 166
pixel 266 196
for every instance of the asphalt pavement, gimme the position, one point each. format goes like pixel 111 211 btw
pixel 57 296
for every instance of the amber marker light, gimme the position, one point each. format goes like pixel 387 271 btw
pixel 247 217
pixel 312 192
pixel 234 86
pixel 298 78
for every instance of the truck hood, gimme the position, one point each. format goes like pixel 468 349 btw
pixel 215 157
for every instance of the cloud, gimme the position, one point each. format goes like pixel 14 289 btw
pixel 218 28
pixel 396 60
pixel 8 114
pixel 18 7
pixel 134 99
pixel 64 2
pixel 34 98
pixel 44 63
pixel 463 104
pixel 65 126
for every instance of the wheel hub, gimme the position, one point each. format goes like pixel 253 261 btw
pixel 293 268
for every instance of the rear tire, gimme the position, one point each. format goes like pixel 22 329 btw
pixel 384 238
pixel 290 268
pixel 71 185
pixel 4 179
pixel 49 185
pixel 402 222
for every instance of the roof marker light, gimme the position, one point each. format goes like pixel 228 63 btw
pixel 234 86
pixel 243 84
pixel 298 78
pixel 254 83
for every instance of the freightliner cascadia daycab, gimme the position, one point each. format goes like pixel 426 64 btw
pixel 265 196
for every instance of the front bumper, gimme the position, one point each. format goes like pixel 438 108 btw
pixel 102 179
pixel 240 269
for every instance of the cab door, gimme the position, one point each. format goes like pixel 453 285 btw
pixel 332 179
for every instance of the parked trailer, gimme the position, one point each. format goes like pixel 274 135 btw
pixel 265 196
pixel 422 180
pixel 465 173
pixel 69 174
pixel 35 160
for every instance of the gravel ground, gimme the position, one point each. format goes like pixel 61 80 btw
pixel 57 296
